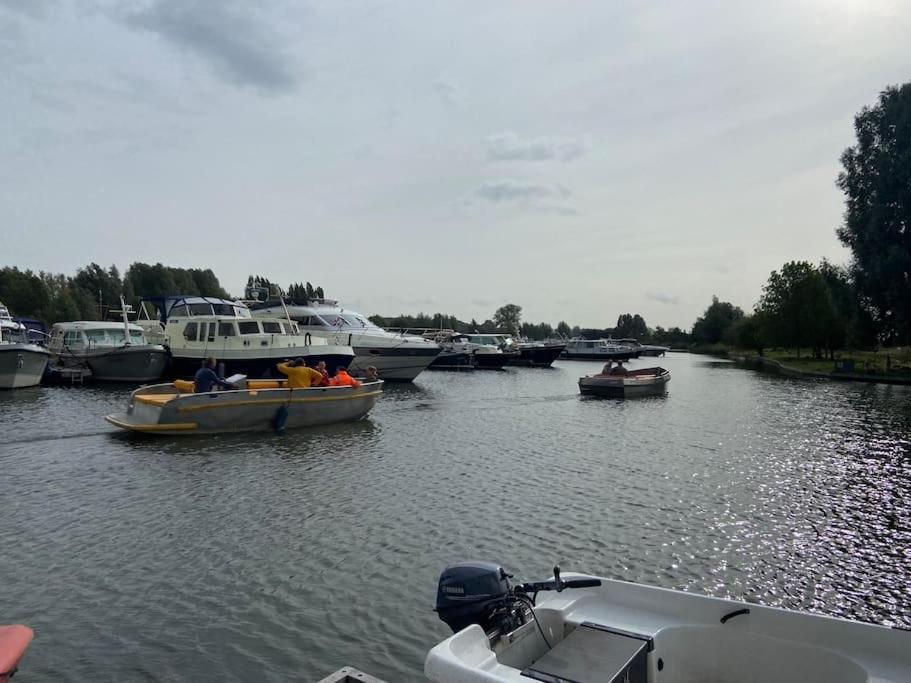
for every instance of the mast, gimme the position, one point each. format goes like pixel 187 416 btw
pixel 126 321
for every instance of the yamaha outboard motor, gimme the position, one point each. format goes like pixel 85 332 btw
pixel 471 593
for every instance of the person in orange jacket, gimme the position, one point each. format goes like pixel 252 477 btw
pixel 343 379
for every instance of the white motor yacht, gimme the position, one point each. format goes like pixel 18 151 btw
pixel 195 327
pixel 396 356
pixel 579 348
pixel 581 629
pixel 22 363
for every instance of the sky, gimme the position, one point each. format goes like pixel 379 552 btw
pixel 580 159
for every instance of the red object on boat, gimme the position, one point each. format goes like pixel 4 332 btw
pixel 14 641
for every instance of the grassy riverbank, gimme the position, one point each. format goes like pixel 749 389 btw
pixel 892 363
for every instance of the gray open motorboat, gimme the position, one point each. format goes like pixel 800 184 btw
pixel 627 384
pixel 255 405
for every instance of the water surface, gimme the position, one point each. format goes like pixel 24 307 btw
pixel 286 557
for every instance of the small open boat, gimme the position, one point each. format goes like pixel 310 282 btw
pixel 256 405
pixel 580 629
pixel 630 384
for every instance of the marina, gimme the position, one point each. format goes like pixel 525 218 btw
pixel 689 492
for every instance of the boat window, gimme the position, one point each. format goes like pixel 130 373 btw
pixel 303 320
pixel 248 327
pixel 179 311
pixel 225 329
pixel 223 309
pixel 328 321
pixel 271 327
pixel 72 338
pixel 200 309
pixel 136 337
pixel 242 312
pixel 202 332
pixel 189 332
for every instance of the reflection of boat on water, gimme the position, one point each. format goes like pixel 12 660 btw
pixel 396 356
pixel 628 384
pixel 110 351
pixel 580 348
pixel 586 630
pixel 195 327
pixel 256 405
pixel 22 363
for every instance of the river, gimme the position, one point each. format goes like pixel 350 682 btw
pixel 270 557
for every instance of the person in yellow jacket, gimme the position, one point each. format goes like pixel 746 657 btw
pixel 299 375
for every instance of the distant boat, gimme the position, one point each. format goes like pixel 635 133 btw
pixel 538 354
pixel 579 348
pixel 481 351
pixel 630 384
pixel 22 363
pixel 644 349
pixel 256 405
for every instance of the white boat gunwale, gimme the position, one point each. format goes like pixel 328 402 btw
pixel 856 651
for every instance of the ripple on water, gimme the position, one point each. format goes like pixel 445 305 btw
pixel 288 557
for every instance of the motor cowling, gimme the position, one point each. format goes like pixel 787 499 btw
pixel 470 592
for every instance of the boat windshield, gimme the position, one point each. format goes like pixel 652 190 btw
pixel 112 337
pixel 346 320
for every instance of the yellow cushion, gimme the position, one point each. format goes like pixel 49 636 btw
pixel 184 386
pixel 156 399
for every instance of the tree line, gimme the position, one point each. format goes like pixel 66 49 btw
pixel 259 287
pixel 94 290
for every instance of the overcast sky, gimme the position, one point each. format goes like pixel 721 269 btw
pixel 579 159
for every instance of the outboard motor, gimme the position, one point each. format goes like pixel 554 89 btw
pixel 472 593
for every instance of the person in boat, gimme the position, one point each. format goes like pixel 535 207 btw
pixel 619 370
pixel 343 379
pixel 299 375
pixel 321 367
pixel 371 375
pixel 607 367
pixel 206 378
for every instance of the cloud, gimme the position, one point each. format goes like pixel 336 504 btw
pixel 446 89
pixel 510 147
pixel 517 190
pixel 664 298
pixel 232 40
pixel 36 9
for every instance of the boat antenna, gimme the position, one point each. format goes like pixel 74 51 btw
pixel 126 321
pixel 281 296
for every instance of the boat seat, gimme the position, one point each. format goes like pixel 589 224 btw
pixel 156 399
pixel 265 384
pixel 184 386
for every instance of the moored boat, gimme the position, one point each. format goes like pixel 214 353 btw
pixel 585 629
pixel 195 327
pixel 537 354
pixel 627 384
pixel 22 362
pixel 110 351
pixel 14 641
pixel 255 405
pixel 580 348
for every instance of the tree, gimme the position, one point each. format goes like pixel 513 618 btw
pixel 747 333
pixel 797 308
pixel 718 317
pixel 631 326
pixel 507 317
pixel 876 181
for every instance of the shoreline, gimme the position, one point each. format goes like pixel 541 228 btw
pixel 776 367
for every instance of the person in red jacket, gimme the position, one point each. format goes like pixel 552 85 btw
pixel 321 367
pixel 343 379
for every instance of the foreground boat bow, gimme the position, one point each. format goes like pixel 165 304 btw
pixel 585 630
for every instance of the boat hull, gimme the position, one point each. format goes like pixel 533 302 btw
pixel 619 386
pixel 491 361
pixel 460 360
pixel 21 365
pixel 237 362
pixel 605 356
pixel 401 364
pixel 537 356
pixel 159 410
pixel 133 363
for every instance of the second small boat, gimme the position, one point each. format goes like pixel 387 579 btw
pixel 628 384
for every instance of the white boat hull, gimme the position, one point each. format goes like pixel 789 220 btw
pixel 160 409
pixel 397 365
pixel 688 641
pixel 21 365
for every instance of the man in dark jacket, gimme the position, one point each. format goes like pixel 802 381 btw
pixel 206 378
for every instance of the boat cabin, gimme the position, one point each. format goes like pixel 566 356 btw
pixel 88 334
